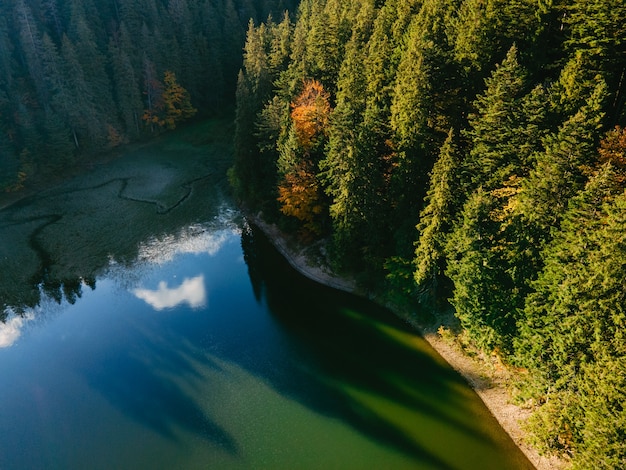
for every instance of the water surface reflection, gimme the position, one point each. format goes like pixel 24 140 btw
pixel 191 292
pixel 246 365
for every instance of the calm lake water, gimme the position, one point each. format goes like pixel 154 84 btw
pixel 147 325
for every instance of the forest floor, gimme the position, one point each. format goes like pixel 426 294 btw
pixel 487 376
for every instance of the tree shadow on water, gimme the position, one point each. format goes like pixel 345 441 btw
pixel 148 383
pixel 356 361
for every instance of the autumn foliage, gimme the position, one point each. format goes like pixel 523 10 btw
pixel 310 112
pixel 299 195
pixel 171 104
pixel 613 149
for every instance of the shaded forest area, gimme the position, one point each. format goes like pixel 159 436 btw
pixel 79 77
pixel 468 150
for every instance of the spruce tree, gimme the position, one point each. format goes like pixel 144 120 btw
pixel 561 170
pixel 572 334
pixel 596 29
pixel 437 217
pixel 351 172
pixel 496 140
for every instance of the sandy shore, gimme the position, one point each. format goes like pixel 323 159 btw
pixel 488 378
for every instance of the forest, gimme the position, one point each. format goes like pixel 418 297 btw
pixel 452 155
pixel 465 155
pixel 80 77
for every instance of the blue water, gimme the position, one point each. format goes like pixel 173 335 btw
pixel 182 340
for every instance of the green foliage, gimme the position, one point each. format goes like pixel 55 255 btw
pixel 485 266
pixel 81 74
pixel 530 89
pixel 260 122
pixel 562 168
pixel 499 146
pixel 572 336
pixel 436 219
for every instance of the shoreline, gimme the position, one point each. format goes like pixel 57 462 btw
pixel 489 381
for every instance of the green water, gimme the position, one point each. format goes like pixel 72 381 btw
pixel 148 325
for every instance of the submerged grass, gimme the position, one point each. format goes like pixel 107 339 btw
pixel 62 232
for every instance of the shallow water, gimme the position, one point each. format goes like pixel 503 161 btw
pixel 147 325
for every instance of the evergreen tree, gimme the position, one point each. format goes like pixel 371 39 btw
pixel 437 217
pixel 596 29
pixel 572 333
pixel 346 180
pixel 420 111
pixel 32 48
pixel 78 102
pixel 126 82
pixel 499 148
pixel 92 63
pixel 480 303
pixel 329 32
pixel 254 172
pixel 561 170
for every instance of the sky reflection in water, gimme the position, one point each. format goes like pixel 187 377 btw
pixel 247 365
pixel 11 329
pixel 191 291
pixel 275 373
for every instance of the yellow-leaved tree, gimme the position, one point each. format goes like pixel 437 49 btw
pixel 300 192
pixel 299 195
pixel 172 103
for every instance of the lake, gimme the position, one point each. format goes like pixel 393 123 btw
pixel 147 324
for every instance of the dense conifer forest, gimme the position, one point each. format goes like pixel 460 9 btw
pixel 469 154
pixel 79 77
pixel 458 154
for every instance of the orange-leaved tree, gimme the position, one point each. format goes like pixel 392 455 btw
pixel 310 112
pixel 300 193
pixel 176 100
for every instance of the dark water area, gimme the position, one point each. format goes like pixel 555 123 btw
pixel 146 324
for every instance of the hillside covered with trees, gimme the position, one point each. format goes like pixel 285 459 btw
pixel 470 152
pixel 79 77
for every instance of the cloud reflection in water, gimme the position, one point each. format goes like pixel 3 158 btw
pixel 191 291
pixel 194 239
pixel 11 329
